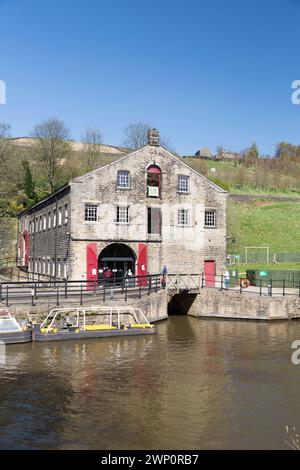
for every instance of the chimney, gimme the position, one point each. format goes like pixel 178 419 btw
pixel 153 137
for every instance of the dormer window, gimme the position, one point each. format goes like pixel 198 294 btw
pixel 123 179
pixel 153 181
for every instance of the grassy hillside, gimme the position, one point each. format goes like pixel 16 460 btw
pixel 265 223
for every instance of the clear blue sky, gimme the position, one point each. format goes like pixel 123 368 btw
pixel 203 72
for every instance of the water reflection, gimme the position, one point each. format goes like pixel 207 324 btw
pixel 196 384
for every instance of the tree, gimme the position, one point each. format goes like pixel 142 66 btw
pixel 51 147
pixel 28 183
pixel 136 135
pixel 5 142
pixel 92 141
pixel 251 156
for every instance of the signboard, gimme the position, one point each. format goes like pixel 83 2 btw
pixel 153 191
pixel 263 273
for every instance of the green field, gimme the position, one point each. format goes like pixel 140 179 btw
pixel 264 223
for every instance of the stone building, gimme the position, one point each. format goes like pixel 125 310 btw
pixel 141 212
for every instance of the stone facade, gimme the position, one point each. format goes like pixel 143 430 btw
pixel 182 248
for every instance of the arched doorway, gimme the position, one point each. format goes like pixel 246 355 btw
pixel 118 258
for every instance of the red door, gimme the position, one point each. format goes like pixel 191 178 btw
pixel 209 273
pixel 142 263
pixel 91 265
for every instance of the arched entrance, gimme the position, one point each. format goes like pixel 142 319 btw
pixel 118 258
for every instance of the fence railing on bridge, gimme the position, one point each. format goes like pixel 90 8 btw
pixel 58 291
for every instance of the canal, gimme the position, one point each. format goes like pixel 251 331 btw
pixel 197 384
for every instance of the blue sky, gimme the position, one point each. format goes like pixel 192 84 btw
pixel 203 72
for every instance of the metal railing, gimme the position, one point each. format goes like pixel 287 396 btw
pixel 58 292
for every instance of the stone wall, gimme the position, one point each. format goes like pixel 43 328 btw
pixel 154 306
pixel 229 304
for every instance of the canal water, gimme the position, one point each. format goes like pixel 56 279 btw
pixel 197 384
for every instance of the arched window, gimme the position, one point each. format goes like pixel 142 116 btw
pixel 153 181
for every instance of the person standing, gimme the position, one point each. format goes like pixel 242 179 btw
pixel 226 279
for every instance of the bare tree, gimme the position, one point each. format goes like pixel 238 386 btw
pixel 92 141
pixel 51 147
pixel 136 135
pixel 5 142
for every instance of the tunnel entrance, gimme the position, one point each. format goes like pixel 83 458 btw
pixel 181 303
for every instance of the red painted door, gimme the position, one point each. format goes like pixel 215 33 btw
pixel 209 273
pixel 91 265
pixel 143 262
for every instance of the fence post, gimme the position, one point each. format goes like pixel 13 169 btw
pixel 270 288
pixel 95 288
pixel 140 290
pixel 104 290
pixel 260 287
pixel 283 287
pixel 6 303
pixel 156 283
pixel 126 291
pixel 66 289
pixel 57 295
pixel 221 282
pixel 202 281
pixel 32 297
pixel 0 291
pixel 150 284
pixel 81 295
pixel 35 291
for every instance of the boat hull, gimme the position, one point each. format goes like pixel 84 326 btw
pixel 16 337
pixel 68 335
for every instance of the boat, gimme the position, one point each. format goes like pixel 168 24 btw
pixel 92 322
pixel 10 330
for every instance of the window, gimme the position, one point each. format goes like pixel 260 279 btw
pixel 58 268
pixel 183 217
pixel 65 270
pixel 48 267
pixel 54 218
pixel 66 213
pixel 36 225
pixel 41 223
pixel 91 212
pixel 122 215
pixel 30 227
pixel 183 184
pixel 210 219
pixel 123 179
pixel 49 220
pixel 59 216
pixel 153 181
pixel 45 222
pixel 154 221
pixel 53 267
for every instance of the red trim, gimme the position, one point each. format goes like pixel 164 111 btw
pixel 91 265
pixel 143 263
pixel 154 169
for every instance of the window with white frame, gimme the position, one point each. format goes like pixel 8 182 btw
pixel 54 218
pixel 183 184
pixel 66 214
pixel 91 213
pixel 210 219
pixel 45 222
pixel 59 216
pixel 58 268
pixel 53 267
pixel 36 225
pixel 41 223
pixel 123 179
pixel 183 217
pixel 122 215
pixel 49 220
